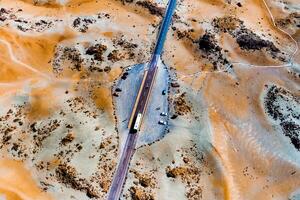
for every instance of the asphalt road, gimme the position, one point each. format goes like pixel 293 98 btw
pixel 120 173
pixel 144 93
pixel 140 107
pixel 129 147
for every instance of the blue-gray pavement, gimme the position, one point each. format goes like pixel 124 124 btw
pixel 151 130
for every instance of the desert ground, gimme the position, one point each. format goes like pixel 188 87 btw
pixel 233 99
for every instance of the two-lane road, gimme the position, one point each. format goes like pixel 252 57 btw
pixel 140 107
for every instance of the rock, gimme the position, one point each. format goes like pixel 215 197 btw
pixel 97 51
pixel 68 139
pixel 118 90
pixel 175 85
pixel 151 7
pixel 138 194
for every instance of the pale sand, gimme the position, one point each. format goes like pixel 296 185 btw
pixel 225 147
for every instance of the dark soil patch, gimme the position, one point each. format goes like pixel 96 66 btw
pixel 114 55
pixel 212 51
pixel 97 51
pixel 284 108
pixel 68 139
pixel 248 40
pixel 71 54
pixel 68 176
pixel 292 19
pixel 181 106
pixel 139 194
pixel 227 24
pixel 153 8
pixel 208 43
pixel 82 24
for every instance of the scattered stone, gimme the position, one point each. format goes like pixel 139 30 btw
pixel 170 173
pixel 118 90
pixel 174 116
pixel 181 107
pixel 82 24
pixel 138 194
pixel 144 181
pixel 212 51
pixel 97 51
pixel 284 108
pixel 151 7
pixel 185 160
pixel 248 40
pixel 207 43
pixel 68 176
pixel 68 139
pixel 292 20
pixel 175 84
pixel 115 94
pixel 107 69
pixel 114 56
pixel 227 24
